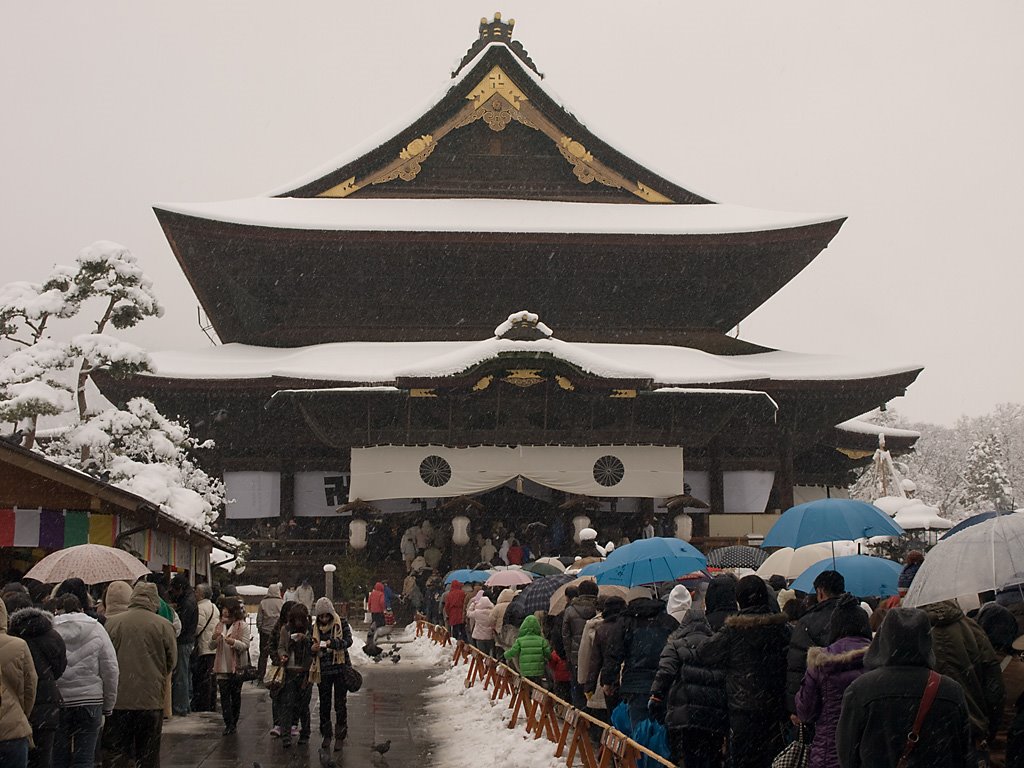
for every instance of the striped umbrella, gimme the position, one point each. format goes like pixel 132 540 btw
pixel 738 556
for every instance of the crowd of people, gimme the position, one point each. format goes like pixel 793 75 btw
pixel 741 669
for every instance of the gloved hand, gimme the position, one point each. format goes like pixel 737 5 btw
pixel 656 709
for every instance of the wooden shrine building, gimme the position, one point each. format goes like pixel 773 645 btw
pixel 362 314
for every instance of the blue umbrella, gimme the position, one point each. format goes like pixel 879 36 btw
pixel 972 520
pixel 865 576
pixel 827 520
pixel 467 576
pixel 647 561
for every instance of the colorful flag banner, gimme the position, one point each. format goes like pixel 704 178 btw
pixel 7 527
pixel 51 529
pixel 76 528
pixel 103 529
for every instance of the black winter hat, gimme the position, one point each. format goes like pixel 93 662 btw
pixel 999 624
pixel 848 620
pixel 751 592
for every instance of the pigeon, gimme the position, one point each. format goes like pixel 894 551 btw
pixel 381 749
pixel 325 759
pixel 255 764
pixel 396 658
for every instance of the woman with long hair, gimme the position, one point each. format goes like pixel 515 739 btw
pixel 274 659
pixel 231 642
pixel 295 654
pixel 332 636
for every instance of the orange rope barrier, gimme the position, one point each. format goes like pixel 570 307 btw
pixel 546 715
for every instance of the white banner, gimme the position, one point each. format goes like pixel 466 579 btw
pixel 252 495
pixel 434 471
pixel 319 494
pixel 747 491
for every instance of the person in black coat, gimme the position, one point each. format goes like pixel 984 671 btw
pixel 634 652
pixel 77 587
pixel 751 649
pixel 187 608
pixel 690 698
pixel 811 629
pixel 49 656
pixel 720 600
pixel 879 707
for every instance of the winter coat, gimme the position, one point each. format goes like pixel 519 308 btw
pixel 483 623
pixel 188 613
pixel 532 650
pixel 584 661
pixel 299 650
pixel 146 651
pixel 1009 742
pixel 880 706
pixel 720 601
pixel 636 646
pixel 270 610
pixel 820 698
pixel 811 629
pixel 91 675
pixel 338 637
pixel 964 653
pixel 376 603
pixel 503 636
pixel 751 649
pixel 17 684
pixel 206 626
pixel 35 627
pixel 231 644
pixel 694 695
pixel 574 618
pixel 606 628
pixel 455 605
pixel 306 596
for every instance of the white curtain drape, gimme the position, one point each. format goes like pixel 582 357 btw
pixel 252 495
pixel 434 471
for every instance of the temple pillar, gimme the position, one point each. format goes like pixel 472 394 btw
pixel 785 476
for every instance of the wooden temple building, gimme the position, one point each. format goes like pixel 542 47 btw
pixel 364 342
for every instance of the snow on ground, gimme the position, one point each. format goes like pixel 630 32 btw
pixel 471 730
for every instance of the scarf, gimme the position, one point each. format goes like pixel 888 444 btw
pixel 339 656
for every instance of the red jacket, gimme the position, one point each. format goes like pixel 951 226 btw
pixel 375 601
pixel 455 605
pixel 559 669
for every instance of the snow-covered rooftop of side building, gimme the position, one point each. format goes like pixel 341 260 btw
pixel 863 427
pixel 381 363
pixel 479 215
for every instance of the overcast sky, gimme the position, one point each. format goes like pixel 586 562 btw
pixel 907 117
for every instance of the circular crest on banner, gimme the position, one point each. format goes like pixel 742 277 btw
pixel 435 471
pixel 609 471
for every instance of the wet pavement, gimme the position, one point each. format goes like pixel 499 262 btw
pixel 389 706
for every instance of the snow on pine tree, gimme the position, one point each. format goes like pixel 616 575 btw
pixel 138 448
pixel 987 484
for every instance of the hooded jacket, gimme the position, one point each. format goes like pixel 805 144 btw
pixel 35 627
pixel 146 650
pixel 811 629
pixel 607 626
pixel 270 610
pixel 574 619
pixel 503 636
pixel 964 653
pixel 880 706
pixel 482 615
pixel 820 698
pixel 17 683
pixel 454 605
pixel 693 694
pixel 720 601
pixel 532 650
pixel 91 675
pixel 751 649
pixel 636 646
pixel 376 602
pixel 206 626
pixel 119 594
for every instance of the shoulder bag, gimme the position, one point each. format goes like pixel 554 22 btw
pixel 930 689
pixel 797 754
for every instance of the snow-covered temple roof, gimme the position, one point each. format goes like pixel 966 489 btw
pixel 475 215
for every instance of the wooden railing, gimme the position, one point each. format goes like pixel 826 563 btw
pixel 546 715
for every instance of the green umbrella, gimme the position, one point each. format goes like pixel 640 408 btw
pixel 541 569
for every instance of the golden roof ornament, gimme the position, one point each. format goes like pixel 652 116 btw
pixel 496 30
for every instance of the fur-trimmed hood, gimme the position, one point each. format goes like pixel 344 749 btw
pixel 847 653
pixel 752 619
pixel 30 622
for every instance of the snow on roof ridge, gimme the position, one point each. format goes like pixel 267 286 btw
pixel 859 426
pixel 493 215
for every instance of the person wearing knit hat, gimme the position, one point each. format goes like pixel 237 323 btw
pixel 913 562
pixel 332 637
pixel 679 602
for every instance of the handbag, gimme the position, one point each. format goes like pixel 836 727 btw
pixel 273 679
pixel 796 754
pixel 351 678
pixel 652 735
pixel 249 671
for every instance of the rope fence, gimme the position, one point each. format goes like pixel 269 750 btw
pixel 546 715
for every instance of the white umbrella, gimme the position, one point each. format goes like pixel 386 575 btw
pixel 92 563
pixel 554 562
pixel 980 558
pixel 791 562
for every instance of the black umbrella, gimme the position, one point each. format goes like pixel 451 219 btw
pixel 737 557
pixel 535 597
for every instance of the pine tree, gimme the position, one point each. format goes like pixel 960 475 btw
pixel 987 484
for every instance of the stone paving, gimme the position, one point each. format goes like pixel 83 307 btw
pixel 389 706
